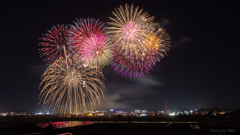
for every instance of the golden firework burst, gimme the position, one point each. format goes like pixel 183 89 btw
pixel 71 87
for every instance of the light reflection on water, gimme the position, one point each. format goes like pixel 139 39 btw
pixel 144 122
pixel 64 124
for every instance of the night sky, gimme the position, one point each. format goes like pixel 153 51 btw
pixel 201 69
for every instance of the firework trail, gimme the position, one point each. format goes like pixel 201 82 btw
pixel 55 44
pixel 71 87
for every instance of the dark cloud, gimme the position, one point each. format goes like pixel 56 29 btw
pixel 164 22
pixel 119 95
pixel 111 102
pixel 181 41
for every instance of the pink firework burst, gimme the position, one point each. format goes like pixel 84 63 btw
pixel 91 42
pixel 55 44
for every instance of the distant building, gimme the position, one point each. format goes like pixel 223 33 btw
pixel 166 110
pixel 144 111
pixel 137 111
pixel 151 113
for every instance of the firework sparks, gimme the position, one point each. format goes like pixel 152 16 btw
pixel 55 44
pixel 72 88
pixel 97 49
pixel 131 67
pixel 157 41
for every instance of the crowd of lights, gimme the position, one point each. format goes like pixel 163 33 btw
pixel 132 43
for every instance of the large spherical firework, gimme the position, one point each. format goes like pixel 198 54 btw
pixel 126 27
pixel 55 43
pixel 91 42
pixel 126 30
pixel 71 87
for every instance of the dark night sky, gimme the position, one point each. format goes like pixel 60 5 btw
pixel 201 69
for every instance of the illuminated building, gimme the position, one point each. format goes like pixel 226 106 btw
pixel 137 111
pixel 144 111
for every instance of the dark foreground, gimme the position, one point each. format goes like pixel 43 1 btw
pixel 154 125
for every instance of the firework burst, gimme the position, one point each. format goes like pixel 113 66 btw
pixel 91 42
pixel 55 44
pixel 157 41
pixel 133 67
pixel 126 27
pixel 72 88
pixel 98 50
pixel 127 30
